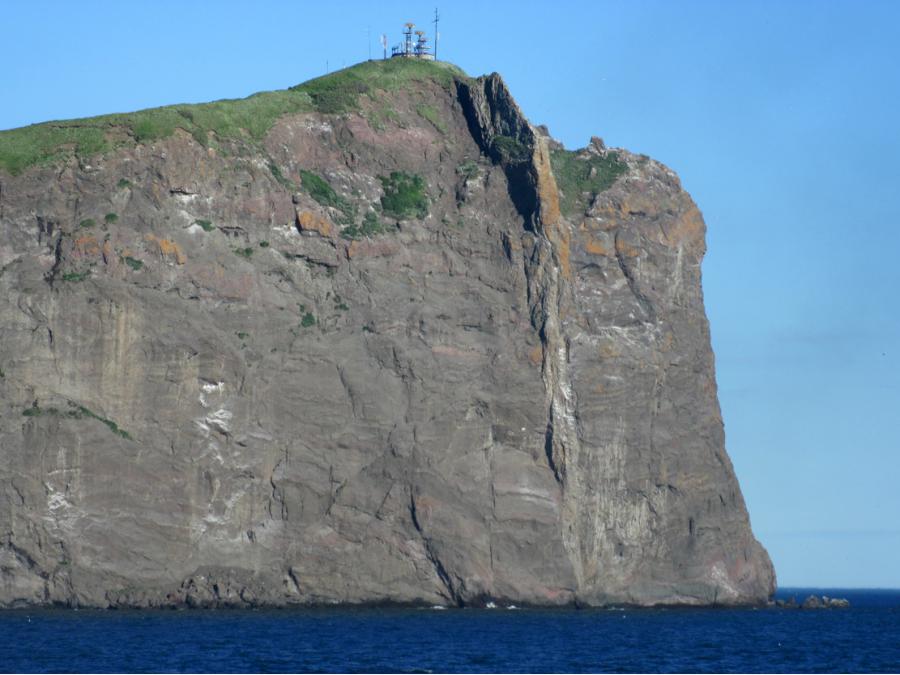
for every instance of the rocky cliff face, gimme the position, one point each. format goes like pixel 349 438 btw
pixel 396 345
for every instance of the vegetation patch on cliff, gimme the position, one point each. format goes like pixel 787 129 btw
pixel 404 195
pixel 77 412
pixel 319 189
pixel 370 227
pixel 581 177
pixel 509 149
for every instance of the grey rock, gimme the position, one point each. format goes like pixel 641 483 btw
pixel 496 401
pixel 824 602
pixel 812 602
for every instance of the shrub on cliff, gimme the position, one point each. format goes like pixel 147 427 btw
pixel 404 195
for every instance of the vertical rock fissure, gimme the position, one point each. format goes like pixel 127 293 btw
pixel 503 133
pixel 433 558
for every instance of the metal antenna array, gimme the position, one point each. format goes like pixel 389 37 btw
pixel 411 47
pixel 408 39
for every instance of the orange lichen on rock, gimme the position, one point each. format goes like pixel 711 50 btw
pixel 561 238
pixel 86 245
pixel 595 247
pixel 689 227
pixel 307 221
pixel 166 248
pixel 625 249
pixel 557 231
pixel 536 355
pixel 548 192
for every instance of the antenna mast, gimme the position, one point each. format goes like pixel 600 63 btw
pixel 436 34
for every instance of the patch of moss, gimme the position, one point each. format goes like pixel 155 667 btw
pixel 123 183
pixel 319 189
pixel 112 426
pixel 110 218
pixel 264 244
pixel 87 222
pixel 35 411
pixel 404 196
pixel 205 224
pixel 580 178
pixel 245 252
pixel 133 263
pixel 75 276
pixel 75 412
pixel 308 320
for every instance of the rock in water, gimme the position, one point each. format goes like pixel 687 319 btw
pixel 374 338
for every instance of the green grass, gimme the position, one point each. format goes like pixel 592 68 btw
pixel 87 222
pixel 43 143
pixel 339 92
pixel 508 149
pixel 245 120
pixel 285 182
pixel 404 196
pixel 308 320
pixel 133 263
pixel 205 224
pixel 325 195
pixel 370 227
pixel 76 276
pixel 576 177
pixel 110 218
pixel 426 112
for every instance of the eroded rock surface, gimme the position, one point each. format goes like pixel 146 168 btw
pixel 215 393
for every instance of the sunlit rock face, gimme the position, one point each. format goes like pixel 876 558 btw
pixel 407 351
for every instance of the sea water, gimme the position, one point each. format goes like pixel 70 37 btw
pixel 863 638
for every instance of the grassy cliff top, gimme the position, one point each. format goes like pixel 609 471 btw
pixel 240 119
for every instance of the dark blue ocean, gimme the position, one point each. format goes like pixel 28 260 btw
pixel 864 638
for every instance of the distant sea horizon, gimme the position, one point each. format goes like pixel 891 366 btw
pixel 862 638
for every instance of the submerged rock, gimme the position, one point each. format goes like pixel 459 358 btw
pixel 395 346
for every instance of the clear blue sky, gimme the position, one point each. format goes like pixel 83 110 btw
pixel 781 118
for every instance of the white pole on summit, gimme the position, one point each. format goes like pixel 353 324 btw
pixel 436 34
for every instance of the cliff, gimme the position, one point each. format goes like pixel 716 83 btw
pixel 373 338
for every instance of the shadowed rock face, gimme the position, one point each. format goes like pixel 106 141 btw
pixel 223 396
